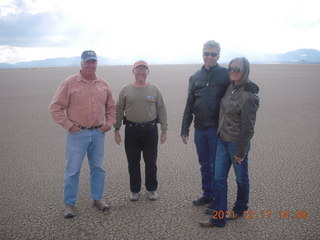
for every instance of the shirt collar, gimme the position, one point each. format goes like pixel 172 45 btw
pixel 82 79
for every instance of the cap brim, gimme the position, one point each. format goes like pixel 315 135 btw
pixel 146 66
pixel 89 58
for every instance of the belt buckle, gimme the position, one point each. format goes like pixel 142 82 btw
pixel 89 128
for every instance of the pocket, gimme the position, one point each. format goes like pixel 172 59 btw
pixel 102 93
pixel 79 100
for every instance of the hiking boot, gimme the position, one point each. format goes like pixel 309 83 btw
pixel 134 196
pixel 152 195
pixel 68 211
pixel 101 205
pixel 201 201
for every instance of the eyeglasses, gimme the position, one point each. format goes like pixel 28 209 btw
pixel 235 69
pixel 212 54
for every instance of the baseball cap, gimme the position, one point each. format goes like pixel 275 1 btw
pixel 88 55
pixel 140 63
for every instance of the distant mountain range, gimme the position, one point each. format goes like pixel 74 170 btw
pixel 297 56
pixel 51 62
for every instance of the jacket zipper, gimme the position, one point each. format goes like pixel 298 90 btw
pixel 228 100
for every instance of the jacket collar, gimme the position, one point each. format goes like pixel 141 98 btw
pixel 203 69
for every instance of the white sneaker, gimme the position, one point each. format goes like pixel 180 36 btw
pixel 134 196
pixel 152 195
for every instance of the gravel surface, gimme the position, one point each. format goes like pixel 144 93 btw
pixel 284 163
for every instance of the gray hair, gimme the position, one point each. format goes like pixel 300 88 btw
pixel 211 44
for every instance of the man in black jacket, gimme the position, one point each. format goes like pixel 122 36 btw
pixel 206 88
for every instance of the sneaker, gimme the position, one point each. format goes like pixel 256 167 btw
pixel 68 211
pixel 101 205
pixel 201 201
pixel 134 196
pixel 152 195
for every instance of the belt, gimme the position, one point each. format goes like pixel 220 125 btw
pixel 142 125
pixel 91 128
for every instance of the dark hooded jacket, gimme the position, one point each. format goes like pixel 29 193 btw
pixel 206 88
pixel 238 113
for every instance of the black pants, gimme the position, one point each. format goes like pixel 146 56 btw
pixel 142 139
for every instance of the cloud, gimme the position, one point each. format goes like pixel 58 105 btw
pixel 163 30
pixel 33 23
pixel 41 30
pixel 306 23
pixel 25 29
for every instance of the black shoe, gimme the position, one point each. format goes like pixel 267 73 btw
pixel 208 224
pixel 201 201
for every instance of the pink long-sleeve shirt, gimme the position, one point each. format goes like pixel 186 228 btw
pixel 83 103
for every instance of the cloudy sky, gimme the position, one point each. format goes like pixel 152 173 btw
pixel 163 31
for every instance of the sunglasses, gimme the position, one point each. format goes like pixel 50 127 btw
pixel 235 69
pixel 212 54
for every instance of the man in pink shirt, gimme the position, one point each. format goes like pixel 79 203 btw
pixel 83 105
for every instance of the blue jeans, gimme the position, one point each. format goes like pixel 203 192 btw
pixel 224 160
pixel 90 142
pixel 206 143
